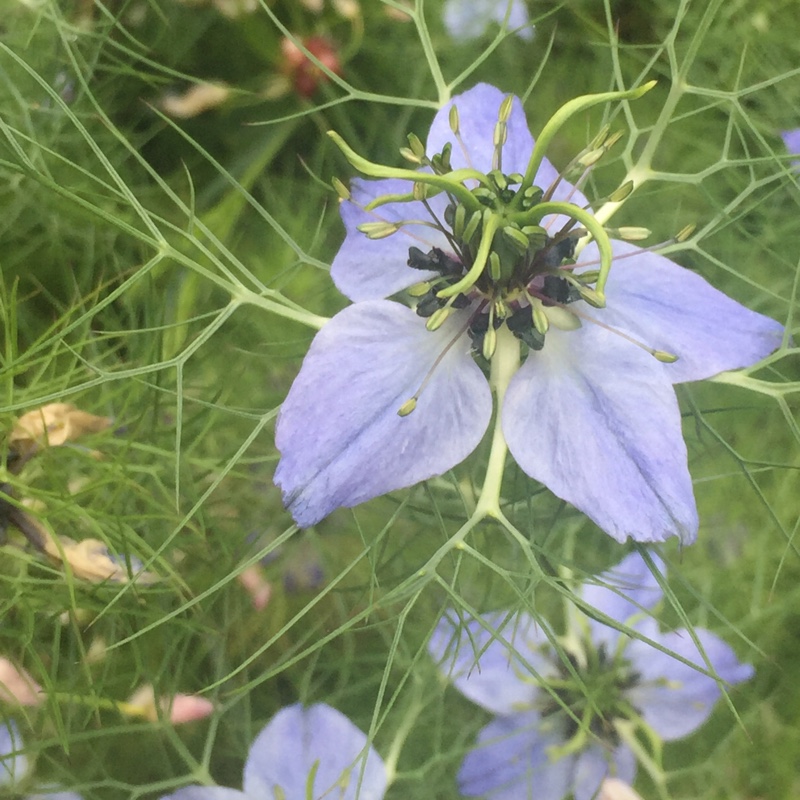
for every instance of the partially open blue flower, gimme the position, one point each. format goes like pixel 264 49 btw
pixel 468 19
pixel 561 729
pixel 387 397
pixel 295 745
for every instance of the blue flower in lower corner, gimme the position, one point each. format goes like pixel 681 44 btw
pixel 14 766
pixel 295 745
pixel 563 728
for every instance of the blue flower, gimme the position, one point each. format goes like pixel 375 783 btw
pixel 507 664
pixel 296 744
pixel 591 413
pixel 468 19
pixel 14 766
pixel 791 139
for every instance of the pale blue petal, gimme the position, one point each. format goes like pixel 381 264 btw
pixel 483 668
pixel 791 140
pixel 510 761
pixel 297 741
pixel 60 795
pixel 594 764
pixel 668 307
pixel 477 110
pixel 674 698
pixel 370 269
pixel 624 593
pixel 13 763
pixel 596 420
pixel 341 439
pixel 210 793
pixel 468 19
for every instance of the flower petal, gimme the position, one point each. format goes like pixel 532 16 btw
pixel 13 762
pixel 671 308
pixel 623 593
pixel 595 764
pixel 596 420
pixel 339 433
pixel 791 140
pixel 674 698
pixel 478 109
pixel 510 761
pixel 207 793
pixel 483 668
pixel 298 740
pixel 370 269
pixel 468 19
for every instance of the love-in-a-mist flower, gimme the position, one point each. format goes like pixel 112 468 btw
pixel 469 19
pixel 15 767
pixel 791 140
pixel 313 753
pixel 564 721
pixel 483 236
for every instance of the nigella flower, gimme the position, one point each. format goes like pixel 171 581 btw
pixel 314 753
pixel 565 728
pixel 14 766
pixel 468 19
pixel 484 237
pixel 791 140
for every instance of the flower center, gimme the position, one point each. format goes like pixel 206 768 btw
pixel 504 265
pixel 592 695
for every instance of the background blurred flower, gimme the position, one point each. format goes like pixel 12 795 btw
pixel 13 763
pixel 195 100
pixel 304 75
pixel 615 789
pixel 296 744
pixel 14 767
pixel 469 19
pixel 17 686
pixel 52 425
pixel 792 140
pixel 561 727
pixel 177 708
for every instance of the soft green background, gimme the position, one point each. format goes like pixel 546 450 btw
pixel 143 262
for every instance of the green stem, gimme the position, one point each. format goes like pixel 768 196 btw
pixel 505 363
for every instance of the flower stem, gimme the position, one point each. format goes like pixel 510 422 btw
pixel 505 363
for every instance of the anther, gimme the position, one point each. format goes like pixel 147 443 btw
pixel 620 194
pixel 453 120
pixel 341 189
pixel 379 230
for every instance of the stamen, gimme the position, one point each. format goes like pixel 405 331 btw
pixel 410 404
pixel 663 356
pixel 341 189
